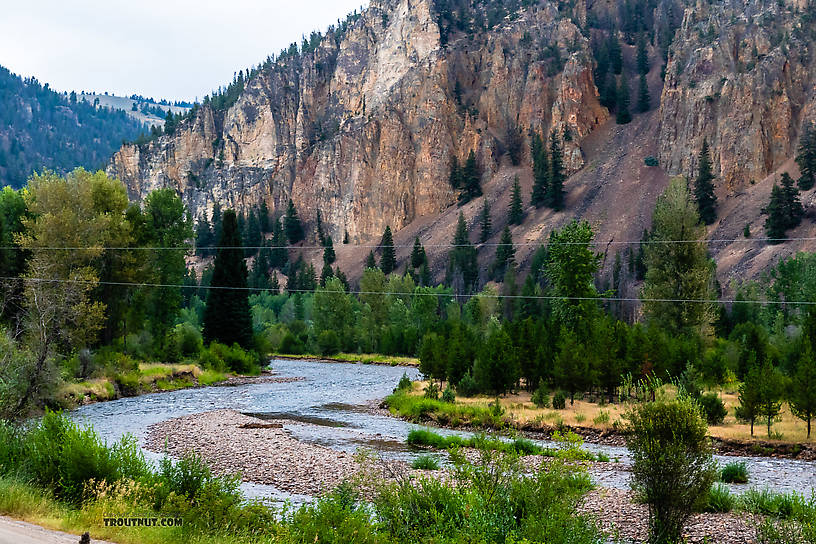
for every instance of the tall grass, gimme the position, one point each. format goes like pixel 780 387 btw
pixel 735 472
pixel 420 409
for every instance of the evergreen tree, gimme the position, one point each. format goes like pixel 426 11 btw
pixel 455 177
pixel 644 100
pixel 371 261
pixel 624 116
pixel 227 317
pixel 771 393
pixel 678 271
pixel 784 211
pixel 463 267
pixel 216 221
pixel 749 397
pixel 388 259
pixel 806 158
pixel 615 52
pixel 803 387
pixel 291 224
pixel 425 275
pixel 254 238
pixel 340 275
pixel 418 256
pixel 555 191
pixel 704 187
pixel 486 223
pixel 505 254
pixel 541 171
pixel 345 237
pixel 609 92
pixel 472 179
pixel 203 237
pixel 263 217
pixel 326 274
pixel 274 285
pixel 516 213
pixel 642 56
pixel 328 251
pixel 280 255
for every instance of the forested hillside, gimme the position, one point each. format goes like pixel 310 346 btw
pixel 41 128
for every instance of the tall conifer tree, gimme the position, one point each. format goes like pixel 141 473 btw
pixel 704 187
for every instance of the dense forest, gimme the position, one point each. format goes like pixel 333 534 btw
pixel 41 128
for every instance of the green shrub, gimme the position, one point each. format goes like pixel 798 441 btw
pixel 719 499
pixel 651 161
pixel 128 383
pixel 735 472
pixel 448 395
pixel 672 470
pixel 329 342
pixel 467 386
pixel 335 519
pixel 425 462
pixel 431 391
pixel 404 383
pixel 291 345
pixel 185 339
pixel 559 401
pixel 713 408
pixel 541 397
pixel 225 358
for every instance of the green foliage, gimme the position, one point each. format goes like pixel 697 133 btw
pixel 463 268
pixel 713 408
pixel 806 157
pixel 329 342
pixel 623 115
pixel 227 318
pixel 704 187
pixel 496 368
pixel 559 401
pixel 291 224
pixel 651 161
pixel 225 358
pixel 541 396
pixel 802 391
pixel 505 255
pixel 541 173
pixel 515 215
pixel 448 395
pixel 388 258
pixel 467 386
pixel 719 499
pixel 425 462
pixel 644 100
pixel 784 210
pixel 735 472
pixel 484 222
pixel 672 468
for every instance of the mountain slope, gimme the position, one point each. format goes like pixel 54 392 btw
pixel 362 126
pixel 40 128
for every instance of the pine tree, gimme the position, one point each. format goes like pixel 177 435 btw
pixel 463 265
pixel 642 56
pixel 326 274
pixel 388 259
pixel 541 171
pixel 346 237
pixel 371 261
pixel 803 388
pixel 704 187
pixel 227 317
pixel 784 211
pixel 516 213
pixel 280 255
pixel 472 178
pixel 644 100
pixel 291 224
pixel 623 116
pixel 418 256
pixel 505 254
pixel 320 234
pixel 204 237
pixel 749 408
pixel 486 223
pixel 216 221
pixel 328 251
pixel 615 52
pixel 806 158
pixel 425 275
pixel 274 285
pixel 455 177
pixel 555 192
pixel 254 238
pixel 263 217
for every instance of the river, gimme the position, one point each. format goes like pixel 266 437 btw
pixel 331 407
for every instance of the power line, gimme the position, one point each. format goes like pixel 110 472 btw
pixel 409 294
pixel 404 246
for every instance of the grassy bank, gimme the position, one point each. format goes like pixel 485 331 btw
pixel 518 411
pixel 364 358
pixel 43 481
pixel 146 378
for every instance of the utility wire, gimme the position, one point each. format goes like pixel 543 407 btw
pixel 435 294
pixel 379 246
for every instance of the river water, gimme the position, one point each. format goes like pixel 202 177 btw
pixel 331 407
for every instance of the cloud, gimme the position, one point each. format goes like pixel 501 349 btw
pixel 176 49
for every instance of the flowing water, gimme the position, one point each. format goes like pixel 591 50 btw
pixel 331 406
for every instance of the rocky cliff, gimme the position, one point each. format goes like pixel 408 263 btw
pixel 364 127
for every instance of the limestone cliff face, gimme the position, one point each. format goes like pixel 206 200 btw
pixel 364 127
pixel 741 74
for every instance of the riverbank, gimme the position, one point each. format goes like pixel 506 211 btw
pixel 595 423
pixel 362 358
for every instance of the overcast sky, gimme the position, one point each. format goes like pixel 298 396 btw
pixel 175 49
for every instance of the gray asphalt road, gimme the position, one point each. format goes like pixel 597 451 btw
pixel 13 531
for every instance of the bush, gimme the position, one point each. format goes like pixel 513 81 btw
pixel 448 395
pixel 222 358
pixel 650 161
pixel 431 391
pixel 719 499
pixel 467 386
pixel 329 342
pixel 291 345
pixel 734 473
pixel 713 408
pixel 404 383
pixel 559 401
pixel 541 397
pixel 425 462
pixel 672 469
pixel 184 340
